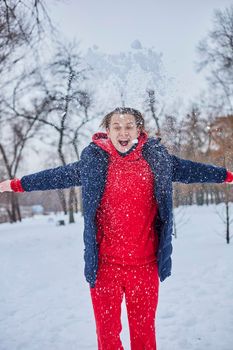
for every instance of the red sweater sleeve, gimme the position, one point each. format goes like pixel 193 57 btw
pixel 229 177
pixel 16 185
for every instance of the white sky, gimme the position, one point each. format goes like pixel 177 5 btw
pixel 173 27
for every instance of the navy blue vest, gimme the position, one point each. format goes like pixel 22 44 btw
pixel 166 168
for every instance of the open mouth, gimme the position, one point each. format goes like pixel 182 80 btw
pixel 124 143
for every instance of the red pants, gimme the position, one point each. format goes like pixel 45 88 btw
pixel 140 285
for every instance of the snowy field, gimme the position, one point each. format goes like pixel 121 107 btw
pixel 45 302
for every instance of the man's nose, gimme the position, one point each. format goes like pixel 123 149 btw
pixel 124 132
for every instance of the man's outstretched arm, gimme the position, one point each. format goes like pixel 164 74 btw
pixel 49 179
pixel 187 171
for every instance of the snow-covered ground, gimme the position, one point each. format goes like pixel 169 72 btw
pixel 45 301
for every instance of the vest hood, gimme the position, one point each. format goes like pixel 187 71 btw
pixel 101 139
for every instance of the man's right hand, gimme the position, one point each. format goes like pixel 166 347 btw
pixel 5 186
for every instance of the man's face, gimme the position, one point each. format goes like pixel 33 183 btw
pixel 123 131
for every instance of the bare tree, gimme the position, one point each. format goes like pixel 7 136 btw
pixel 11 150
pixel 172 133
pixel 195 141
pixel 194 131
pixel 225 215
pixel 21 26
pixel 216 56
pixel 222 142
pixel 152 107
pixel 25 19
pixel 62 105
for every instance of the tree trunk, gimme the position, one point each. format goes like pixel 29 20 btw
pixel 17 208
pixel 227 224
pixel 13 207
pixel 71 205
pixel 76 202
pixel 62 200
pixel 80 200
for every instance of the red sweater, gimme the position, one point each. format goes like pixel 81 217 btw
pixel 126 215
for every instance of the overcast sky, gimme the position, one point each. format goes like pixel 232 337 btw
pixel 173 27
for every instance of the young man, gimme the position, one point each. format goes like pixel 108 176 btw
pixel 126 181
